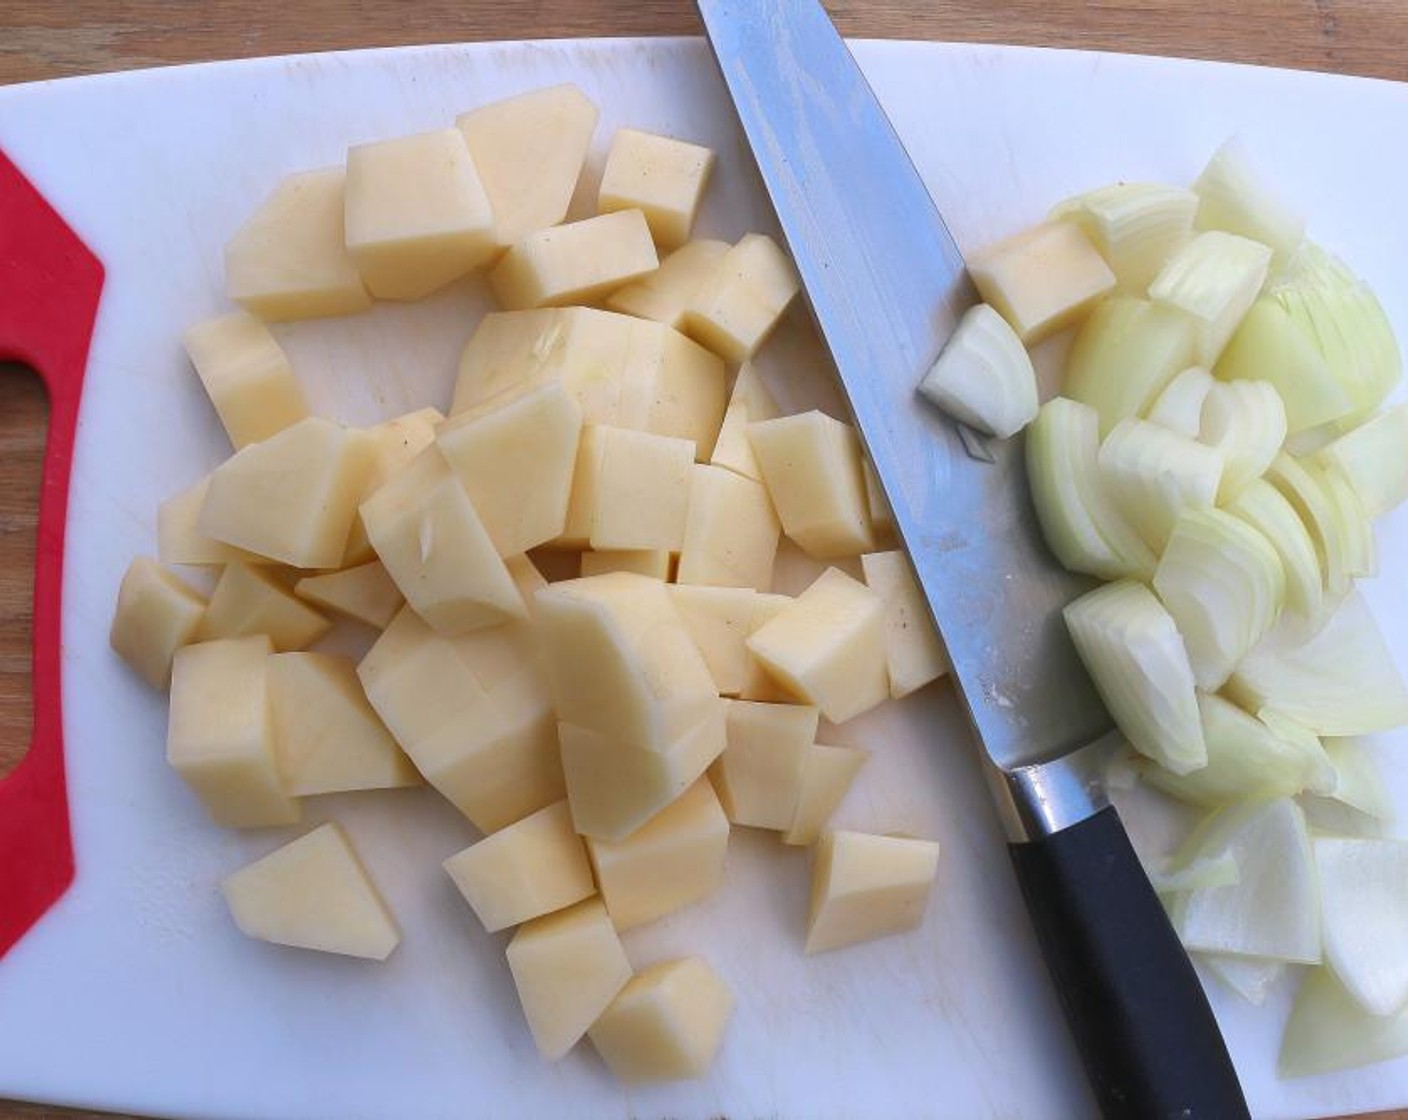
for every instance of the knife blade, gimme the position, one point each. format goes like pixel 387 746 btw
pixel 887 284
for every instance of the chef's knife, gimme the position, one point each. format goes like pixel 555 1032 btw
pixel 887 285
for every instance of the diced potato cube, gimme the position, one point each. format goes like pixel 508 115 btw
pixel 514 457
pixel 529 152
pixel 654 563
pixel 417 214
pixel 660 176
pixel 180 541
pixel 750 401
pixel 828 645
pixel 642 491
pixel 719 620
pixel 329 739
pixel 731 533
pixel 665 294
pixel 758 683
pixel 828 774
pixel 156 615
pixel 759 775
pixel 671 861
pixel 811 464
pixel 313 893
pixel 365 593
pixel 531 868
pixel 914 652
pixel 293 497
pixel 436 549
pixel 882 517
pixel 736 308
pixel 1042 279
pixel 526 578
pixel 567 967
pixel 667 1023
pixel 219 738
pixel 249 600
pixel 620 660
pixel 575 263
pixel 866 886
pixel 614 786
pixel 247 376
pixel 586 489
pixel 472 712
pixel 394 443
pixel 290 259
pixel 686 395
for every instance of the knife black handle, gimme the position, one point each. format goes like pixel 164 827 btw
pixel 1146 1034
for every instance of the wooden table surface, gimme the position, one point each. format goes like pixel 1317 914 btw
pixel 42 39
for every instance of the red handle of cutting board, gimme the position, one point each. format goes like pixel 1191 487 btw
pixel 50 284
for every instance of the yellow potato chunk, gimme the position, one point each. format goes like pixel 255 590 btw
pixel 531 868
pixel 329 739
pixel 365 593
pixel 749 401
pixel 671 861
pixel 1042 279
pixel 313 893
pixel 828 646
pixel 436 549
pixel 827 775
pixel 417 214
pixel 156 615
pixel 249 600
pixel 914 652
pixel 620 661
pixel 645 562
pixel 660 176
pixel 759 775
pixel 394 444
pixel 514 456
pixel 526 578
pixel 529 152
pixel 865 886
pixel 290 259
pixel 291 498
pixel 575 263
pixel 219 738
pixel 667 1023
pixel 665 294
pixel 472 712
pixel 811 464
pixel 567 967
pixel 586 489
pixel 247 376
pixel 741 301
pixel 731 532
pixel 180 541
pixel 882 517
pixel 642 491
pixel 719 620
pixel 614 787
pixel 758 682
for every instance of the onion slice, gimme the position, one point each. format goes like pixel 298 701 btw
pixel 1232 197
pixel 1358 804
pixel 1135 657
pixel 1356 533
pixel 984 376
pixel 1250 977
pixel 1373 459
pixel 1081 525
pixel 1328 1030
pixel 1179 408
pixel 1201 874
pixel 1306 493
pixel 1246 422
pixel 1364 918
pixel 1340 681
pixel 1136 227
pixel 1154 474
pixel 1213 279
pixel 1266 510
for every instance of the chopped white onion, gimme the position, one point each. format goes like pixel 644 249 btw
pixel 1124 355
pixel 1081 524
pixel 1154 474
pixel 1131 647
pixel 1213 280
pixel 1328 1030
pixel 1364 918
pixel 1136 227
pixel 1356 533
pixel 1274 910
pixel 1359 803
pixel 1306 493
pixel 1247 760
pixel 1246 422
pixel 1231 197
pixel 1340 681
pixel 1250 977
pixel 1179 407
pixel 1266 510
pixel 1211 871
pixel 1373 458
pixel 984 376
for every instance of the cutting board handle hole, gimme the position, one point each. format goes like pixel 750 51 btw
pixel 24 425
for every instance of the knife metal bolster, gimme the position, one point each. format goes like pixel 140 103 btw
pixel 1046 797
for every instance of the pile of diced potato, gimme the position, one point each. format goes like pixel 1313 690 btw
pixel 603 732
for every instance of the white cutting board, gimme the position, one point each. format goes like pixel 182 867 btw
pixel 136 993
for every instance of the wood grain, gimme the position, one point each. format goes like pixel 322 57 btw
pixel 61 38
